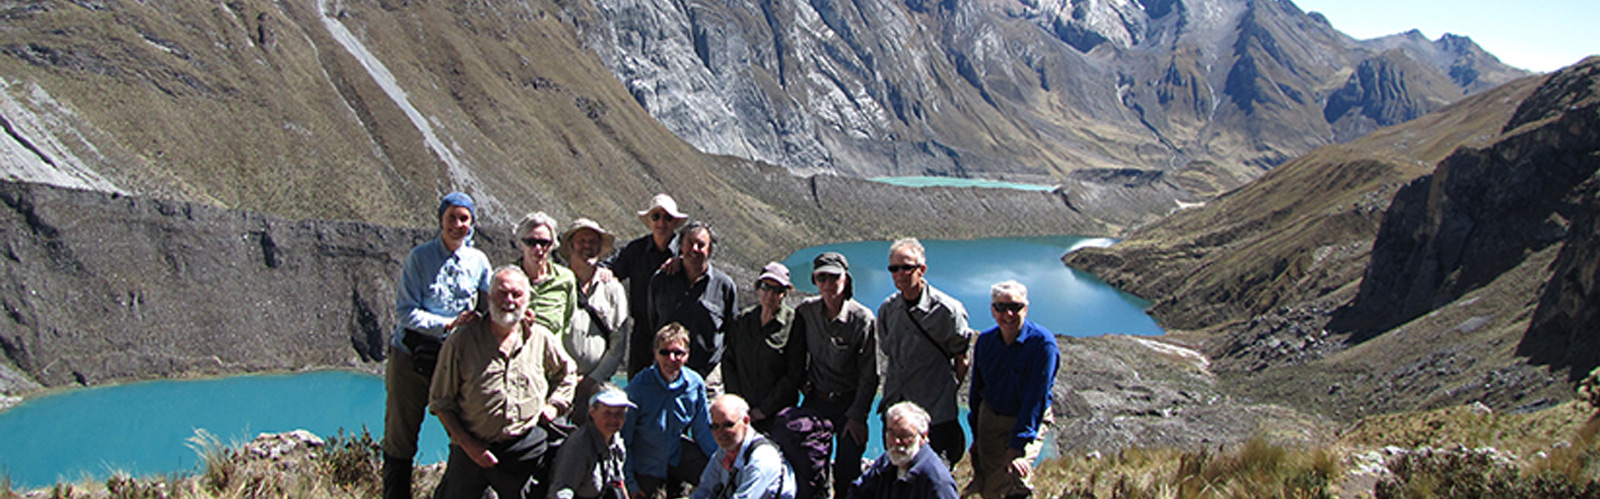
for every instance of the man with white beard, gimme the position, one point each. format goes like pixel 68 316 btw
pixel 497 380
pixel 908 469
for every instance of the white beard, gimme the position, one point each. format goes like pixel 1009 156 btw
pixel 901 455
pixel 506 318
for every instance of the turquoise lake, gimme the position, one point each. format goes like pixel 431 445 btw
pixel 960 182
pixel 142 428
pixel 1063 300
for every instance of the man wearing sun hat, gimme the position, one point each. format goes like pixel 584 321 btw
pixel 589 464
pixel 754 366
pixel 833 351
pixel 599 331
pixel 637 262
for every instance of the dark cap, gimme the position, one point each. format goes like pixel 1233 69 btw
pixel 834 263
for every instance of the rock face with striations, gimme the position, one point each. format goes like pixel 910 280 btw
pixel 1015 90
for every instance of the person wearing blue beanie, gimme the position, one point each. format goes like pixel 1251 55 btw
pixel 441 279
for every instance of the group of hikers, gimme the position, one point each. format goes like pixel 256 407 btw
pixel 768 402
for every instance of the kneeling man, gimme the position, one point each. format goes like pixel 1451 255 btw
pixel 747 465
pixel 497 379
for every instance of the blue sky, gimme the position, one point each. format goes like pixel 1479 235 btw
pixel 1540 35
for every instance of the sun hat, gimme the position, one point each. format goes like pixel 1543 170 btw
pixel 608 241
pixel 664 203
pixel 777 272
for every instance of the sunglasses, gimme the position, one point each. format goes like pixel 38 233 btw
pixel 905 268
pixel 534 241
pixel 724 426
pixel 766 286
pixel 657 216
pixel 1007 306
pixel 672 352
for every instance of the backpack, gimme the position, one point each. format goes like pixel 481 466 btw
pixel 778 491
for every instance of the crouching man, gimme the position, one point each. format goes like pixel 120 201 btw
pixel 496 381
pixel 747 465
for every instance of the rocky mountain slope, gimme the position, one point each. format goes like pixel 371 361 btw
pixel 1026 90
pixel 1441 262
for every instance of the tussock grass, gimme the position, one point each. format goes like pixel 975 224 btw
pixel 1255 468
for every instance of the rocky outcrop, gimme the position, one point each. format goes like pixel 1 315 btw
pixel 1481 212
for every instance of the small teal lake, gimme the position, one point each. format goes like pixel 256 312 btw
pixel 141 428
pixel 960 182
pixel 1063 300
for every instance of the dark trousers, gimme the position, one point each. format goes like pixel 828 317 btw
pixel 463 478
pixel 948 441
pixel 846 452
pixel 680 479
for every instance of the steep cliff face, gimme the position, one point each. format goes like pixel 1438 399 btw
pixel 1386 90
pixel 1482 211
pixel 1021 90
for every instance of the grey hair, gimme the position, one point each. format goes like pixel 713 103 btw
pixel 911 412
pixel 510 268
pixel 912 244
pixel 1008 287
pixel 735 403
pixel 536 219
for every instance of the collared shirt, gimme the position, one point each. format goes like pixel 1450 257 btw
pixel 498 395
pixel 597 352
pixel 555 298
pixel 755 366
pixel 926 478
pixel 667 410
pixel 916 369
pixel 760 473
pixel 838 355
pixel 1015 380
pixel 436 286
pixel 587 465
pixel 704 307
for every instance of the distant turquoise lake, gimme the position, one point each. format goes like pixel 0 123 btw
pixel 1063 300
pixel 960 182
pixel 141 428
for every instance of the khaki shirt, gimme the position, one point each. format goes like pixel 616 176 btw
pixel 496 395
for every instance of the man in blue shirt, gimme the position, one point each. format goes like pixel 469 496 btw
pixel 908 468
pixel 441 279
pixel 662 460
pixel 1014 366
pixel 747 465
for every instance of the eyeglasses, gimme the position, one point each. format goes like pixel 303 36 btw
pixel 672 352
pixel 534 241
pixel 1008 306
pixel 724 426
pixel 905 268
pixel 824 277
pixel 656 216
pixel 767 286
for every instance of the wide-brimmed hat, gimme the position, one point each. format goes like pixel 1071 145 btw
pixel 664 203
pixel 608 241
pixel 777 272
pixel 834 263
pixel 612 397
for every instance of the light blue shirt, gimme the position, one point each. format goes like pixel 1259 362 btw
pixel 436 286
pixel 761 473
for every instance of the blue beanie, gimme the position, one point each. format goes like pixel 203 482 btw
pixel 456 199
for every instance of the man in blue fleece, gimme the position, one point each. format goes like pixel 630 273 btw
pixel 662 460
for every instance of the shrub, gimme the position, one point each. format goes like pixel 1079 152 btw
pixel 352 463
